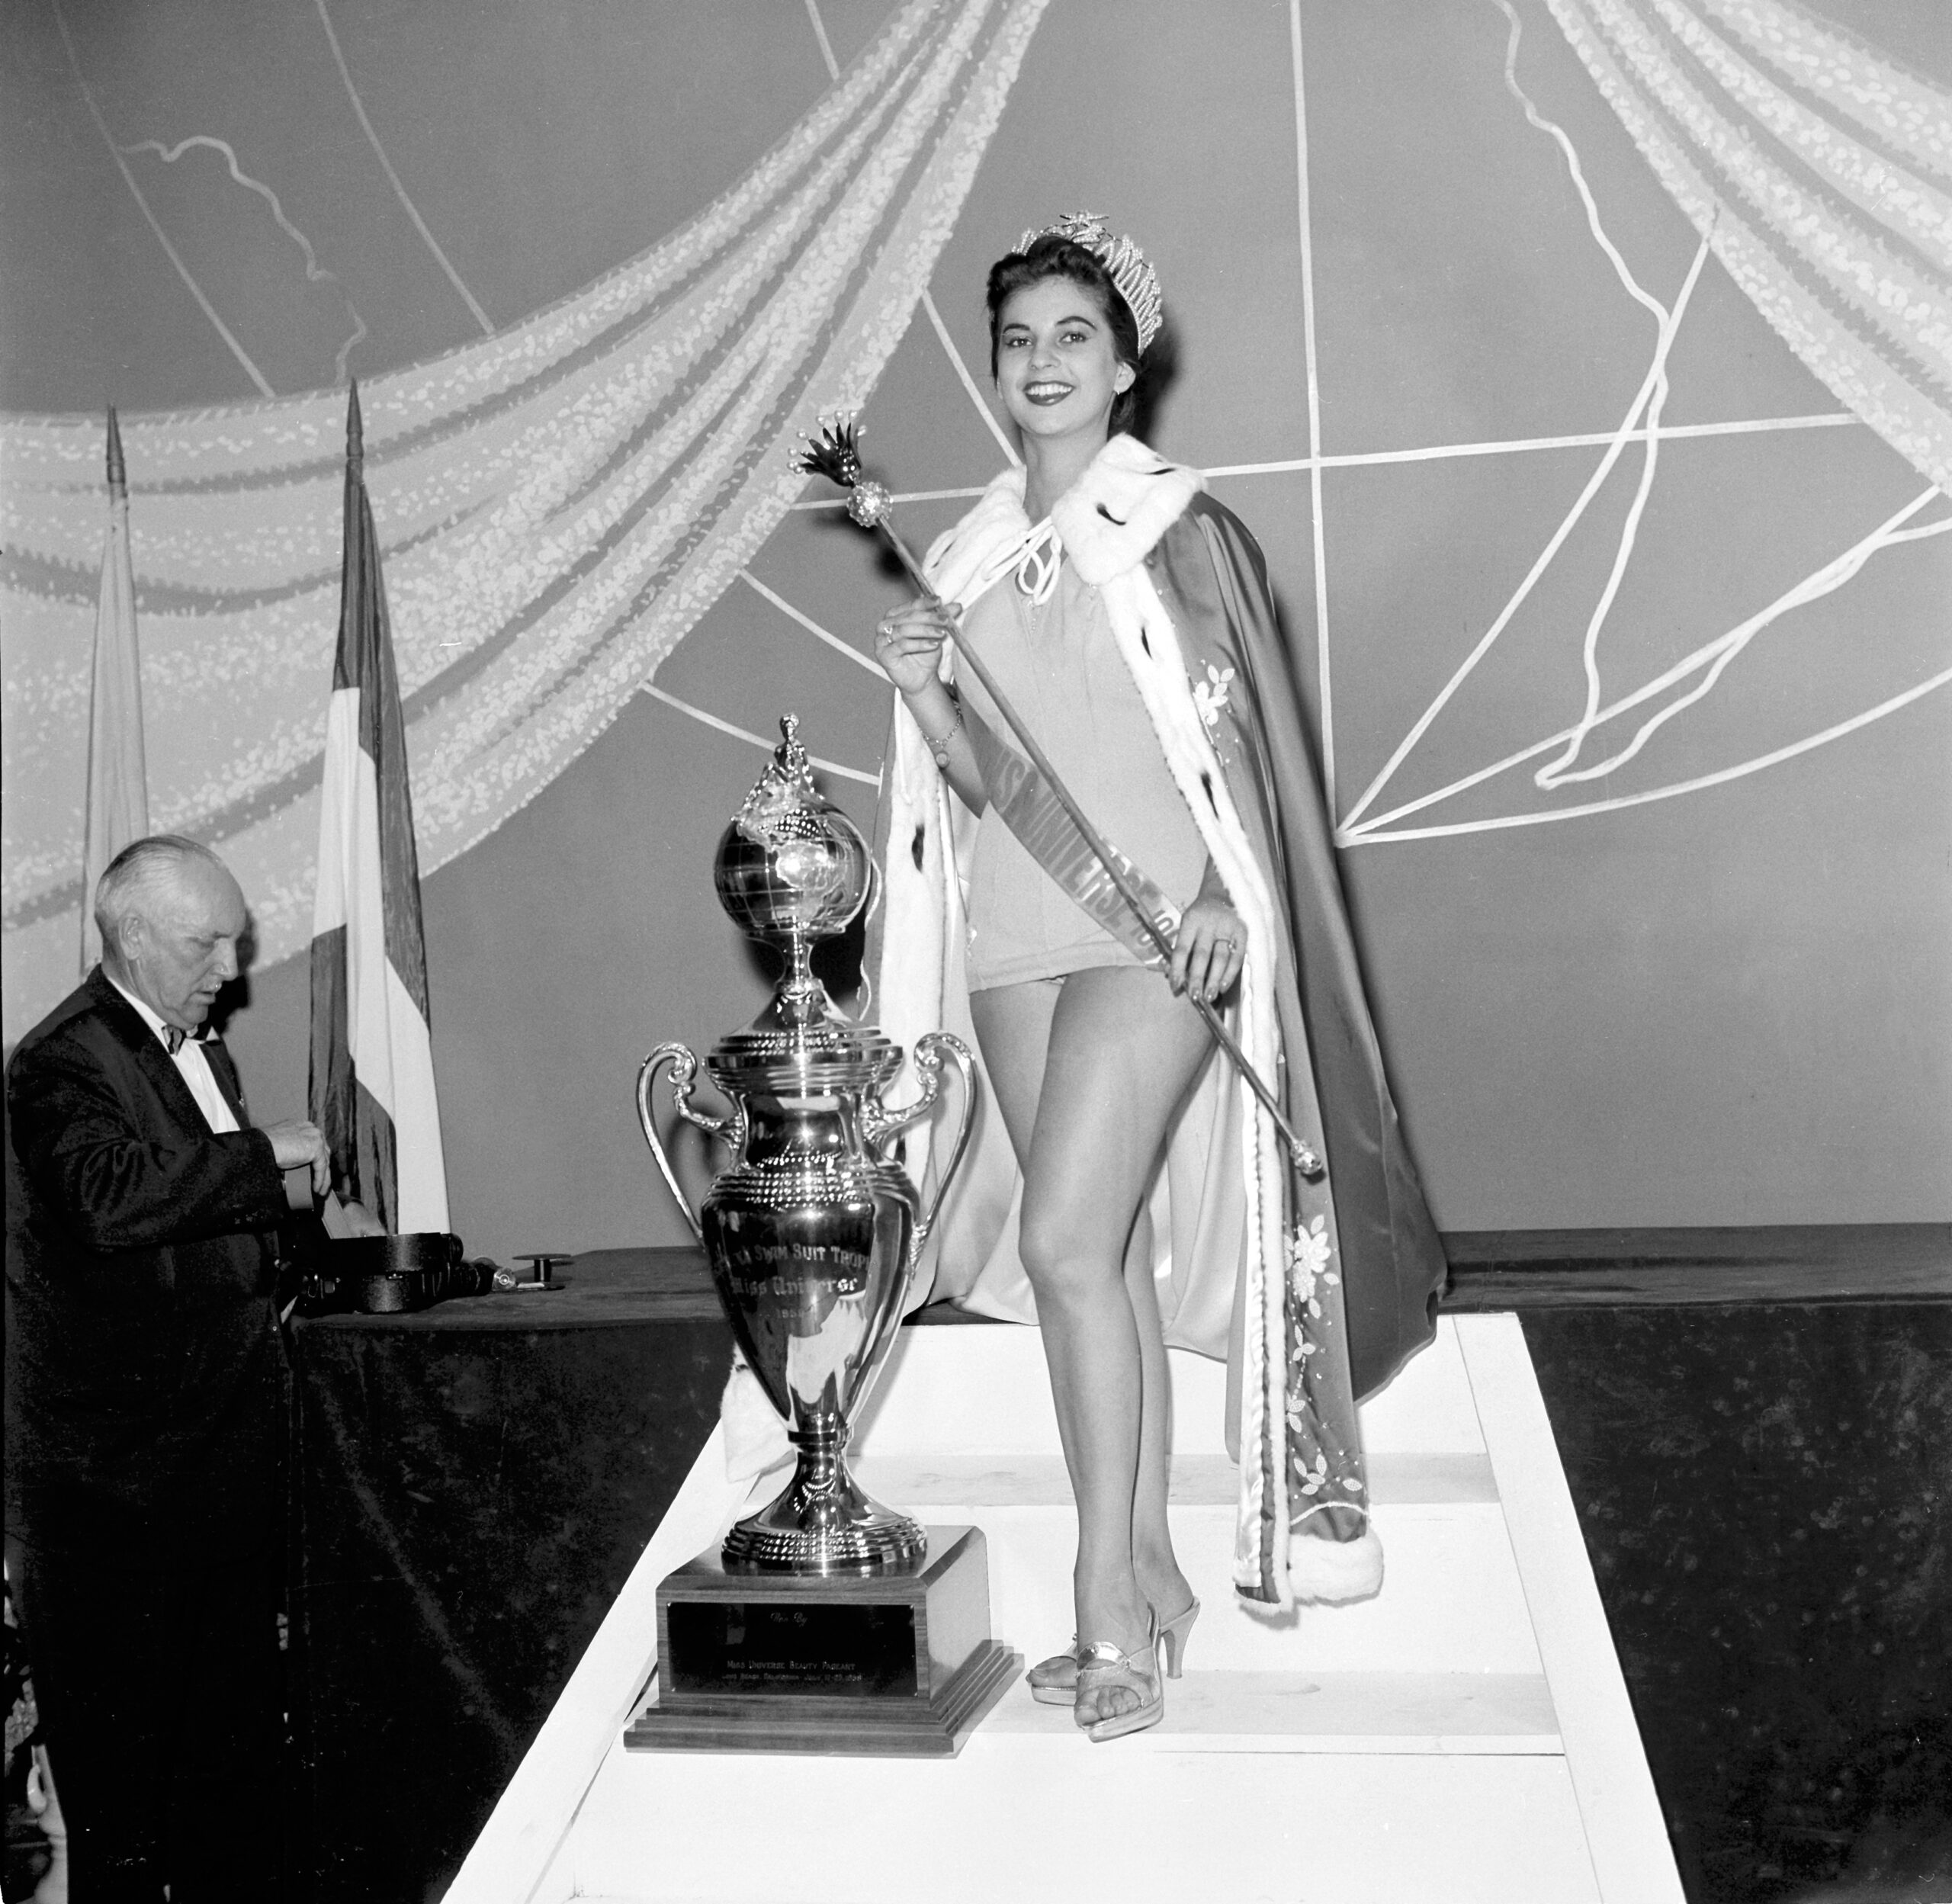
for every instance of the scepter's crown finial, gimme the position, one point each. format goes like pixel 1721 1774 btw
pixel 834 453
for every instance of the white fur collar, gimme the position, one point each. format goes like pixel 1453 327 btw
pixel 1107 521
pixel 1128 498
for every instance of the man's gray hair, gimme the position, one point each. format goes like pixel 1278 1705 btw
pixel 138 878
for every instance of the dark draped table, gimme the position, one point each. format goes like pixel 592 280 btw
pixel 471 1485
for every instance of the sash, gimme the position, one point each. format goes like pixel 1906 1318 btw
pixel 1037 819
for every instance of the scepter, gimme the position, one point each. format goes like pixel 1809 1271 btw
pixel 835 454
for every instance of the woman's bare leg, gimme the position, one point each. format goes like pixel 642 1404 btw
pixel 1118 1052
pixel 1154 1565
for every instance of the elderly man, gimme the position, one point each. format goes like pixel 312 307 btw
pixel 143 1397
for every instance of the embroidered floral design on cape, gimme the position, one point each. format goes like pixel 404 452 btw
pixel 1324 1458
pixel 1212 696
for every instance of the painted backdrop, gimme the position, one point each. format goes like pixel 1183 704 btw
pixel 1582 367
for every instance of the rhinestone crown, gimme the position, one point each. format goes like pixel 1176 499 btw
pixel 1127 266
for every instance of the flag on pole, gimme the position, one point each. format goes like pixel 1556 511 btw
pixel 118 800
pixel 372 1084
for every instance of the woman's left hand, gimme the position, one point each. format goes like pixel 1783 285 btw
pixel 1210 949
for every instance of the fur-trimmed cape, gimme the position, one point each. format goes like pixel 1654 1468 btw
pixel 1320 1289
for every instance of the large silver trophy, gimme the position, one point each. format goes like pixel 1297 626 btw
pixel 813 1231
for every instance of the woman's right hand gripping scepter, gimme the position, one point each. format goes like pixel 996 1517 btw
pixel 908 645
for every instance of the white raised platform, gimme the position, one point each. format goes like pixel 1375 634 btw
pixel 1464 1735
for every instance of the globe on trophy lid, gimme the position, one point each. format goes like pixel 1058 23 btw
pixel 791 870
pixel 813 1231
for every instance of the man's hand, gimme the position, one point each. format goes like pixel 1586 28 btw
pixel 359 1220
pixel 294 1142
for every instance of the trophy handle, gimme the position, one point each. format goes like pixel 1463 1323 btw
pixel 880 1125
pixel 684 1069
pixel 930 1049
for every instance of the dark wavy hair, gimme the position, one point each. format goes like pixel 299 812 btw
pixel 1050 256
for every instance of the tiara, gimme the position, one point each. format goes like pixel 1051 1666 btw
pixel 1125 264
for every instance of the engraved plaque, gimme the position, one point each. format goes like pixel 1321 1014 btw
pixel 762 1646
pixel 897 1664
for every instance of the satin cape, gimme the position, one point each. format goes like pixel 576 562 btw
pixel 1315 1291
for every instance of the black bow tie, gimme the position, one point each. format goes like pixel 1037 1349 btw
pixel 173 1039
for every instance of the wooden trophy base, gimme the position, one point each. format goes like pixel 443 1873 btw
pixel 899 1665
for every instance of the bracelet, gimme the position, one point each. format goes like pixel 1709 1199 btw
pixel 940 748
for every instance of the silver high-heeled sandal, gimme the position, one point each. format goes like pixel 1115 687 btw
pixel 1101 1665
pixel 1054 1681
pixel 1173 1638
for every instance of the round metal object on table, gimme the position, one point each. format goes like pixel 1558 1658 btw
pixel 542 1265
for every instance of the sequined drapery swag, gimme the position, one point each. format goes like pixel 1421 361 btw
pixel 558 504
pixel 1821 175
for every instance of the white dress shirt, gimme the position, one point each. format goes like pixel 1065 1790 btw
pixel 189 1058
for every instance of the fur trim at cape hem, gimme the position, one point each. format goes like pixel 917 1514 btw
pixel 1330 1572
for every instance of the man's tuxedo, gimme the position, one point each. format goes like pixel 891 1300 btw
pixel 143 1427
pixel 143 1359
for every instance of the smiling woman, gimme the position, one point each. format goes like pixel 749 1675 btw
pixel 1059 362
pixel 1095 583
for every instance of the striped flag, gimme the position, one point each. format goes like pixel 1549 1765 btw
pixel 372 1089
pixel 118 807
